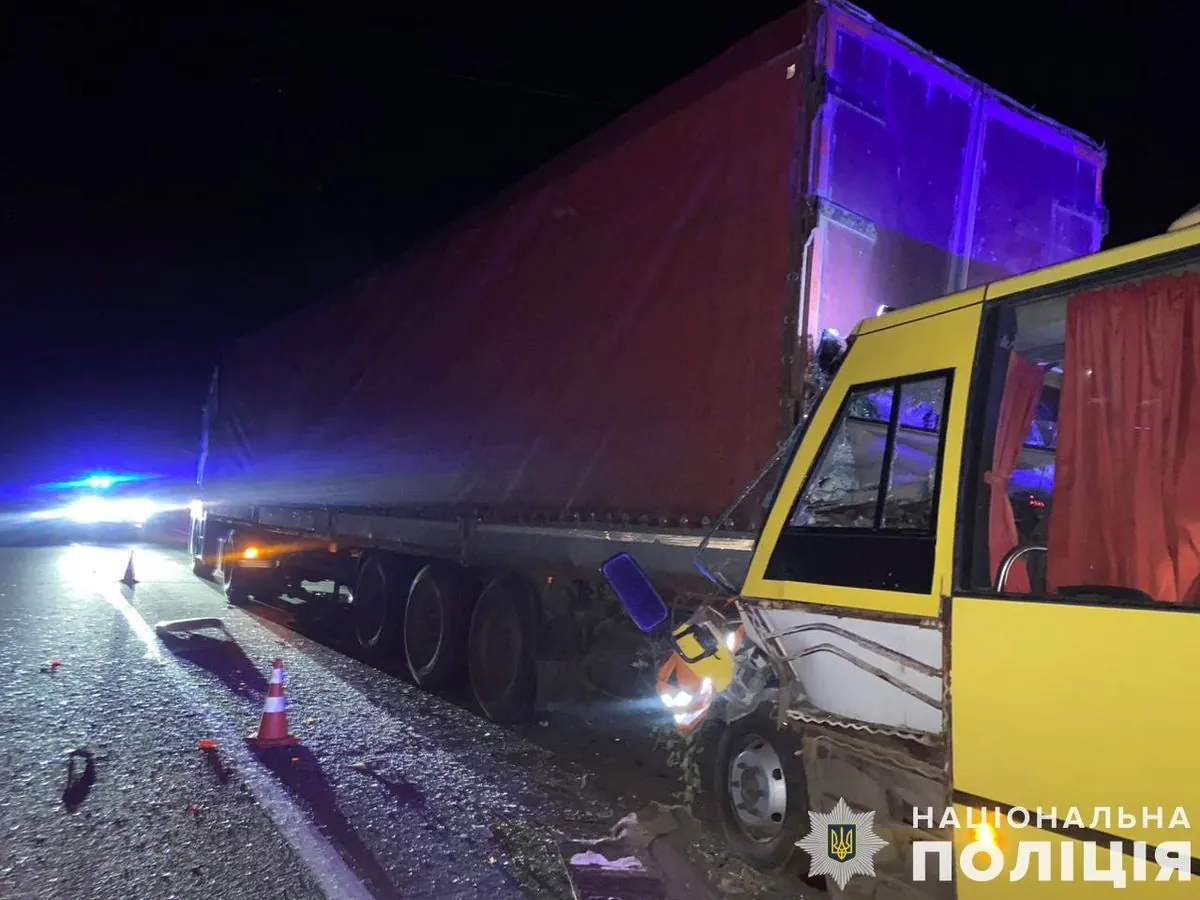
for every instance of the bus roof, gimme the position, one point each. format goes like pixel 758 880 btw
pixel 1158 245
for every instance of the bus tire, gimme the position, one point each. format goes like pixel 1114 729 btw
pixel 500 651
pixel 760 792
pixel 436 618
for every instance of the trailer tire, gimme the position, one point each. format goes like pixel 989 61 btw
pixel 236 584
pixel 379 602
pixel 500 650
pixel 202 565
pixel 436 618
pixel 760 792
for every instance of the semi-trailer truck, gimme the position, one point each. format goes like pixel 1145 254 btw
pixel 600 359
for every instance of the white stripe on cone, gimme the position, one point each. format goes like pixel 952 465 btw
pixel 275 705
pixel 278 676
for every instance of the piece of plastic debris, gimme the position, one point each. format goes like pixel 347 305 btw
pixel 295 760
pixel 492 860
pixel 193 808
pixel 310 720
pixel 208 744
pixel 591 858
pixel 55 663
pixel 361 766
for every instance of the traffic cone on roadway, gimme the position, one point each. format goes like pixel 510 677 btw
pixel 128 579
pixel 273 727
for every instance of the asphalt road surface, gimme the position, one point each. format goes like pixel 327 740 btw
pixel 107 791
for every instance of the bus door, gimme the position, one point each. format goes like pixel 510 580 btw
pixel 1074 625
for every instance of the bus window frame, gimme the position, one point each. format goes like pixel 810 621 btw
pixel 914 563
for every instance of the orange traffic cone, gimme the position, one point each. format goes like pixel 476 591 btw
pixel 273 727
pixel 128 578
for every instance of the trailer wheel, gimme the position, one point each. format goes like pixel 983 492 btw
pixel 760 791
pixel 379 597
pixel 435 626
pixel 237 585
pixel 500 645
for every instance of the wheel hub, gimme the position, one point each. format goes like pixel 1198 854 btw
pixel 758 789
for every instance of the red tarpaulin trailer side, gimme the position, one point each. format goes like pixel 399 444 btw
pixel 607 337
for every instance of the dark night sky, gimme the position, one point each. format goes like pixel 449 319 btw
pixel 171 179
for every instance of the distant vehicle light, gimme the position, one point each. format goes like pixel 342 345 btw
pixel 250 553
pixel 96 510
pixel 99 482
pixel 197 508
pixel 103 510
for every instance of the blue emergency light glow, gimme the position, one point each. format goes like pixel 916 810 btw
pixel 96 481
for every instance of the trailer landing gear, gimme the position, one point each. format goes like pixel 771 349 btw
pixel 242 581
pixel 242 584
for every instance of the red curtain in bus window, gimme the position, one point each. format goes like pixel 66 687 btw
pixel 1022 388
pixel 1127 493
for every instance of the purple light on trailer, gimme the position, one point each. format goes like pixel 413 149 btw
pixel 928 181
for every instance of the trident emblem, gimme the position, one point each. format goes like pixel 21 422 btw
pixel 841 842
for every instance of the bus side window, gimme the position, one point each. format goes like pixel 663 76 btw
pixel 866 516
pixel 1085 452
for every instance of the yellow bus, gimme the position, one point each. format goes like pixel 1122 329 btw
pixel 971 610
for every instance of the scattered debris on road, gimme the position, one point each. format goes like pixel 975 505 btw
pixel 79 784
